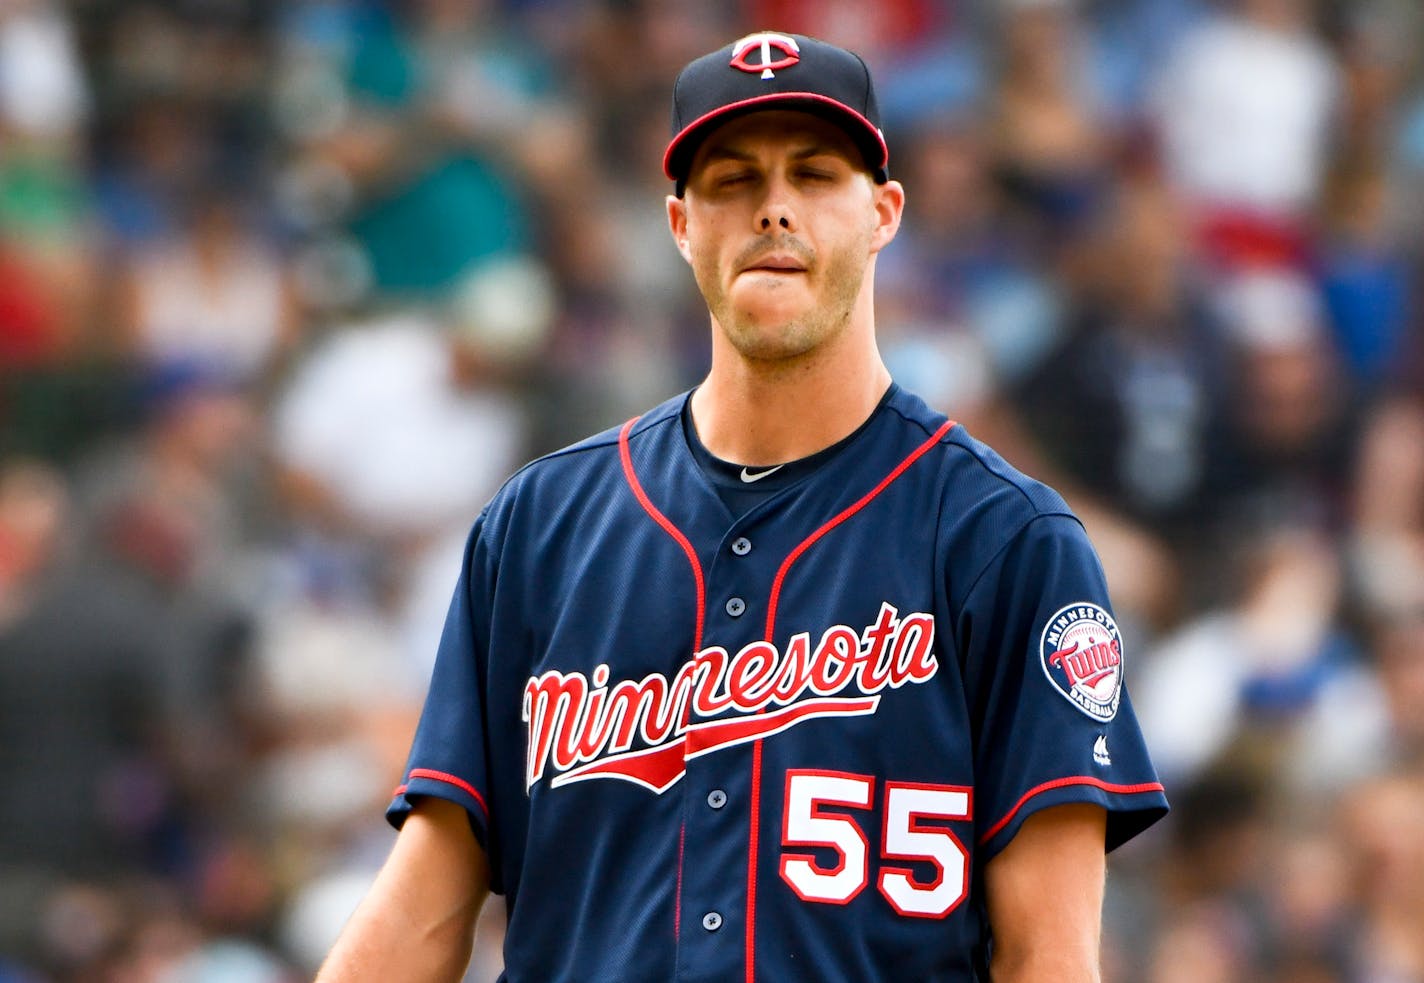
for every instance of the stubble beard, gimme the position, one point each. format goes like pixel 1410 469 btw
pixel 796 340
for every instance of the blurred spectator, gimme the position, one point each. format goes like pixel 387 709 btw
pixel 1375 719
pixel 182 87
pixel 1125 410
pixel 1382 827
pixel 403 426
pixel 1306 892
pixel 1377 60
pixel 152 154
pixel 210 291
pixel 143 933
pixel 166 516
pixel 121 686
pixel 32 325
pixel 45 273
pixel 172 496
pixel 1201 945
pixel 1047 135
pixel 1399 649
pixel 1244 107
pixel 43 95
pixel 1366 278
pixel 1132 38
pixel 34 504
pixel 1268 660
pixel 1210 927
pixel 440 135
pixel 1292 423
pixel 1388 522
pixel 81 731
pixel 1129 402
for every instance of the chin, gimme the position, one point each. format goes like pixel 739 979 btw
pixel 771 323
pixel 773 340
pixel 771 316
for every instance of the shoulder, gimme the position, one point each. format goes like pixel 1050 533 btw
pixel 975 481
pixel 981 482
pixel 582 474
pixel 992 509
pixel 985 503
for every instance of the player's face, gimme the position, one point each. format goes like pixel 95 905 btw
pixel 779 222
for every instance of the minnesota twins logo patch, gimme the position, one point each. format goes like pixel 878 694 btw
pixel 1081 651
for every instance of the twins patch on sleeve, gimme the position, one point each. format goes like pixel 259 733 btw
pixel 1081 652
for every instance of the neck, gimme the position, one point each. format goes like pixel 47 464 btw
pixel 761 413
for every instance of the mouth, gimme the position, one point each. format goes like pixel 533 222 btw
pixel 775 263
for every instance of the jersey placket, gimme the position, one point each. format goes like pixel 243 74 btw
pixel 717 788
pixel 709 906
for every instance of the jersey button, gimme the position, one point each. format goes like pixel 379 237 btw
pixel 742 546
pixel 712 921
pixel 716 798
pixel 736 606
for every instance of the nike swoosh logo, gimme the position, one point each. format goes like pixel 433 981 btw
pixel 749 477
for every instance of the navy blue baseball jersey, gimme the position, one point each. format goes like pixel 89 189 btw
pixel 780 745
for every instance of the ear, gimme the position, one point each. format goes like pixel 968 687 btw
pixel 677 224
pixel 889 206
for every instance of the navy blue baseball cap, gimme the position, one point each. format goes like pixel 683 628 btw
pixel 768 70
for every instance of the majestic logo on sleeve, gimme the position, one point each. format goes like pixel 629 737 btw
pixel 1081 650
pixel 761 45
pixel 645 731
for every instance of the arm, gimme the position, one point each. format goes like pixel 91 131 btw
pixel 417 923
pixel 1045 898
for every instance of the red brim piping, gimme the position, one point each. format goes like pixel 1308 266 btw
pixel 772 97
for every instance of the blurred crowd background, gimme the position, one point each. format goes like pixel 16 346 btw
pixel 288 288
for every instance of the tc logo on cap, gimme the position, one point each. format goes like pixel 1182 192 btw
pixel 763 43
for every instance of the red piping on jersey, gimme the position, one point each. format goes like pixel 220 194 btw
pixel 448 779
pixel 632 476
pixel 852 510
pixel 786 564
pixel 677 894
pixel 1065 783
pixel 752 861
pixel 625 455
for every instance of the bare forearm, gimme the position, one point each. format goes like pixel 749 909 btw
pixel 1045 898
pixel 1046 967
pixel 378 944
pixel 417 923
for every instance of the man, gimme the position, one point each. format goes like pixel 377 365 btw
pixel 789 678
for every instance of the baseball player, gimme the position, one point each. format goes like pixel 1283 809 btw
pixel 788 678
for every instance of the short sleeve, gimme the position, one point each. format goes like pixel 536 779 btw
pixel 1044 670
pixel 448 756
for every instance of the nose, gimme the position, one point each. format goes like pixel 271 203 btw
pixel 776 211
